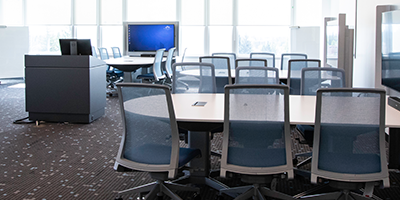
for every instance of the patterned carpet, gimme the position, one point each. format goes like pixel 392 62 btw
pixel 75 161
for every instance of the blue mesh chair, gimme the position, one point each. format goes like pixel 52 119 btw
pixel 231 56
pixel 294 72
pixel 168 64
pixel 312 79
pixel 94 52
pixel 222 67
pixel 257 75
pixel 256 138
pixel 116 52
pixel 113 75
pixel 349 142
pixel 157 76
pixel 201 78
pixel 253 62
pixel 270 57
pixel 285 57
pixel 150 141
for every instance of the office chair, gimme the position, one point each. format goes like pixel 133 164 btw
pixel 94 52
pixel 222 67
pixel 150 141
pixel 257 75
pixel 349 142
pixel 270 57
pixel 256 138
pixel 312 79
pixel 116 52
pixel 200 80
pixel 157 76
pixel 294 72
pixel 231 56
pixel 113 75
pixel 168 65
pixel 285 57
pixel 253 62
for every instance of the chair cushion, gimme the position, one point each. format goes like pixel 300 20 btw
pixel 146 76
pixel 350 163
pixel 256 157
pixel 159 154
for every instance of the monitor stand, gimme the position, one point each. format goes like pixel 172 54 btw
pixel 147 55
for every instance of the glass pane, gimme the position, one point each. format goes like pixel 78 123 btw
pixel 273 39
pixel 264 12
pixel 111 12
pixel 11 12
pixel 85 12
pixel 192 12
pixel 48 12
pixel 151 10
pixel 221 12
pixel 308 12
pixel 221 39
pixel 44 39
pixel 111 36
pixel 87 32
pixel 192 38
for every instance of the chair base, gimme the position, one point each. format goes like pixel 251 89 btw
pixel 254 191
pixel 159 188
pixel 341 195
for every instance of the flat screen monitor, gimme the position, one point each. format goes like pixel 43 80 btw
pixel 75 47
pixel 391 49
pixel 145 38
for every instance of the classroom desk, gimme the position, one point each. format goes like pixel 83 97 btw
pixel 130 64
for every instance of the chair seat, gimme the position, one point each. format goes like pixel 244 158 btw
pixel 256 157
pixel 146 76
pixel 159 154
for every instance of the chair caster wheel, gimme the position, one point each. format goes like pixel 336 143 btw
pixel 118 198
pixel 295 161
pixel 196 196
pixel 160 197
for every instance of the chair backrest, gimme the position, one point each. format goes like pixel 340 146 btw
pixel 103 53
pixel 222 67
pixel 232 58
pixel 349 135
pixel 257 75
pixel 285 57
pixel 94 52
pixel 116 52
pixel 253 62
pixel 256 137
pixel 168 63
pixel 197 78
pixel 294 72
pixel 270 57
pixel 150 140
pixel 313 78
pixel 184 54
pixel 157 65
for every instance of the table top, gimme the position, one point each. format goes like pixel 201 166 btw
pixel 302 109
pixel 130 61
pixel 224 73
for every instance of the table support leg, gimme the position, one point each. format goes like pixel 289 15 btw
pixel 394 148
pixel 200 140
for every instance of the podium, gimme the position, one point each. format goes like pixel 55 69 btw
pixel 68 88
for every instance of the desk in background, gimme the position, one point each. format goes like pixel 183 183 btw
pixel 131 64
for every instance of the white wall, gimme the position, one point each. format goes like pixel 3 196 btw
pixel 364 63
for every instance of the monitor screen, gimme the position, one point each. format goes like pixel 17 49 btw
pixel 75 47
pixel 391 50
pixel 147 38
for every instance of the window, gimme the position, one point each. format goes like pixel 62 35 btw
pixel 47 12
pixel 151 10
pixel 11 13
pixel 85 12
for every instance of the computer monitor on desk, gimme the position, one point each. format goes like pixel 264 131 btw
pixel 75 47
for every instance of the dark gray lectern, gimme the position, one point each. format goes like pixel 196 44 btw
pixel 65 88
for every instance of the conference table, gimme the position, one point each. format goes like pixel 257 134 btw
pixel 130 64
pixel 202 120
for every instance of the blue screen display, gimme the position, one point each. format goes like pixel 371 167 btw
pixel 150 37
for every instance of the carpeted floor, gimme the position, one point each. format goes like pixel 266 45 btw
pixel 75 161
